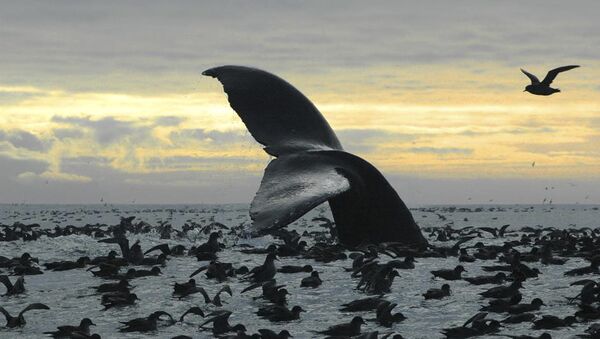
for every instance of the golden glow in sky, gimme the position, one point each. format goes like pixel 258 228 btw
pixel 428 100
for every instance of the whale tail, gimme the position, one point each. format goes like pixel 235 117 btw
pixel 311 166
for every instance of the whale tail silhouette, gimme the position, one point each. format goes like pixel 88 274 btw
pixel 311 166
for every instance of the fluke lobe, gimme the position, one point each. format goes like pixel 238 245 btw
pixel 311 166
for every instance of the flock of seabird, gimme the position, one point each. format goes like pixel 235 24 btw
pixel 515 257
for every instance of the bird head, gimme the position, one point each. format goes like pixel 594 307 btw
pixel 86 322
pixel 527 88
pixel 358 321
pixel 297 309
pixel 285 334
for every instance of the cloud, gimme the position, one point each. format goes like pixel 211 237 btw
pixel 211 136
pixel 67 133
pixel 169 121
pixel 109 129
pixel 52 176
pixel 369 139
pixel 12 167
pixel 201 163
pixel 110 40
pixel 511 130
pixel 441 150
pixel 24 139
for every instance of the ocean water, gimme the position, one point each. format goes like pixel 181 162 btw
pixel 70 298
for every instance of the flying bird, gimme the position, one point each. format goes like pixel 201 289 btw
pixel 543 87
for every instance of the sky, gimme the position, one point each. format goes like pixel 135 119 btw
pixel 105 101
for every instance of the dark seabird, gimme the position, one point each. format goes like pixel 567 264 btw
pixel 278 313
pixel 544 335
pixel 498 278
pixel 313 281
pixel 269 288
pixel 465 257
pixel 193 310
pixel 193 289
pixel 183 288
pixel 437 293
pixel 362 305
pixel 295 269
pixel 12 289
pixel 384 316
pixel 476 326
pixel 549 322
pixel 347 329
pixel 146 324
pixel 502 291
pixel 518 318
pixel 67 265
pixel 219 271
pixel 122 285
pixel 176 250
pixel 264 272
pixel 269 334
pixel 593 268
pixel 453 274
pixel 118 300
pixel 502 304
pixel 217 298
pixel 407 264
pixel 212 245
pixel 19 320
pixel 592 332
pixel 522 308
pixel 311 166
pixel 543 87
pixel 220 321
pixel 67 330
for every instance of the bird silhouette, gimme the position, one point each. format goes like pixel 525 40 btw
pixel 543 87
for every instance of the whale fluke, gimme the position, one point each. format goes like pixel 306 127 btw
pixel 293 185
pixel 311 166
pixel 275 112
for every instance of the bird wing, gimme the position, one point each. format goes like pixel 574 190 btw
pixel 195 310
pixel 162 247
pixel 198 270
pixel 6 314
pixel 226 289
pixel 161 313
pixel 276 114
pixel 204 294
pixel 266 333
pixel 219 315
pixel 67 328
pixel 4 279
pixel 110 240
pixel 293 185
pixel 19 283
pixel 462 241
pixel 476 317
pixel 553 73
pixel 251 287
pixel 533 78
pixel 34 306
